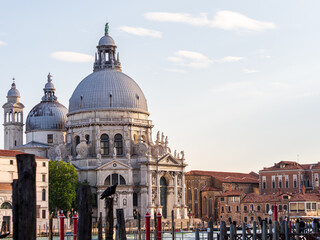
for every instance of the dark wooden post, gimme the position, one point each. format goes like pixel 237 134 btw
pixel 244 231
pixel 264 230
pixel 286 230
pixel 121 224
pixel 276 230
pixel 100 227
pixel 139 225
pixel 84 200
pixel 222 230
pixel 155 232
pixel 50 226
pixel 24 198
pixel 232 232
pixel 109 218
pixel 172 225
pixel 254 231
pixel 197 235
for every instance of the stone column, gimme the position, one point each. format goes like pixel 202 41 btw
pixel 175 189
pixel 150 187
pixel 158 188
pixel 183 201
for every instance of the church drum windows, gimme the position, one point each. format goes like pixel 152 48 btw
pixel 104 144
pixel 118 144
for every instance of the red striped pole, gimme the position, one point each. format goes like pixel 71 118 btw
pixel 75 222
pixel 62 217
pixel 159 218
pixel 147 216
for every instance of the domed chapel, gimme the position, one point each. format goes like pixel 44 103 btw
pixel 106 134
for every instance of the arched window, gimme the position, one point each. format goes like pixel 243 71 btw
pixel 107 181
pixel 204 205
pixel 115 178
pixel 118 144
pixel 267 208
pixel 43 195
pixel 210 207
pixel 135 199
pixel 195 193
pixel 77 139
pixel 122 180
pixel 245 208
pixel 87 139
pixel 104 144
pixel 6 205
pixel 189 196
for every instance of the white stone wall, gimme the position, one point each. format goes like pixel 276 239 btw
pixel 9 172
pixel 42 137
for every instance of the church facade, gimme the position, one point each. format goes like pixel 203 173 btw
pixel 107 135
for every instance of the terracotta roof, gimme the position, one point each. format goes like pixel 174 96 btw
pixel 5 187
pixel 289 165
pixel 13 153
pixel 230 177
pixel 231 193
pixel 208 188
pixel 295 197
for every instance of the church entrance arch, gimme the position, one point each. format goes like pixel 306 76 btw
pixel 163 196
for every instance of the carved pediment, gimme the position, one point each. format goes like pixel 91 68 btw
pixel 168 159
pixel 114 165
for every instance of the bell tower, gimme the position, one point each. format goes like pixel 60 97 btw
pixel 13 119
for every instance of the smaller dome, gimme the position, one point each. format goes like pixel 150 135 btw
pixel 49 86
pixel 13 92
pixel 47 116
pixel 106 41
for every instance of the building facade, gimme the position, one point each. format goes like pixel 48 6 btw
pixel 107 135
pixel 9 171
pixel 204 187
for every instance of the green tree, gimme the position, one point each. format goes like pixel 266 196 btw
pixel 62 186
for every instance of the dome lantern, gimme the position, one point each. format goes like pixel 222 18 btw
pixel 106 53
pixel 49 90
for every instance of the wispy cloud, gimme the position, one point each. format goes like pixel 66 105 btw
pixel 72 57
pixel 190 59
pixel 226 20
pixel 176 70
pixel 262 53
pixel 230 59
pixel 143 32
pixel 2 43
pixel 263 89
pixel 249 70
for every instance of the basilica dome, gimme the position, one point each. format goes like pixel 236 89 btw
pixel 49 114
pixel 107 88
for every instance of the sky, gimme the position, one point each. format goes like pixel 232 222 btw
pixel 235 84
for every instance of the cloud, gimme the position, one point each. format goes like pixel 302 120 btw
pixel 176 70
pixel 249 70
pixel 143 32
pixel 2 43
pixel 262 53
pixel 190 59
pixel 264 90
pixel 72 57
pixel 230 59
pixel 226 20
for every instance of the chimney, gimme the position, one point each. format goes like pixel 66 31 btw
pixel 230 187
pixel 303 189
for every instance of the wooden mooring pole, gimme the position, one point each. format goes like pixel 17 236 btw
pixel 50 226
pixel 24 199
pixel 139 225
pixel 121 226
pixel 172 225
pixel 100 227
pixel 109 218
pixel 84 199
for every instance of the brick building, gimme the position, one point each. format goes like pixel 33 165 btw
pixel 289 177
pixel 203 187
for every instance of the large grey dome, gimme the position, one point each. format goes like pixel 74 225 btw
pixel 106 41
pixel 108 89
pixel 47 116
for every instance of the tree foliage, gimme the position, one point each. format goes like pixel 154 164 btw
pixel 62 186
